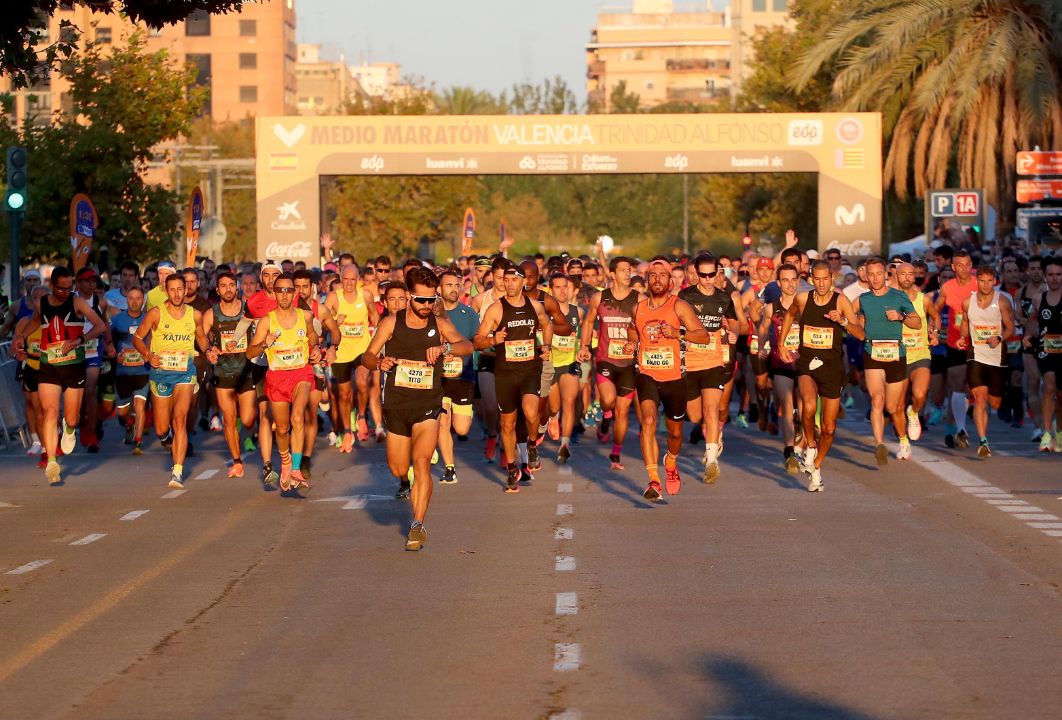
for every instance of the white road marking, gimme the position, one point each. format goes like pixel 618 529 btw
pixel 349 498
pixel 565 563
pixel 566 715
pixel 1053 533
pixel 1046 525
pixel 89 539
pixel 1019 509
pixel 1037 516
pixel 994 501
pixel 564 534
pixel 6 504
pixel 565 509
pixel 566 657
pixel 28 567
pixel 357 503
pixel 567 603
pixel 173 494
pixel 982 490
pixel 207 474
pixel 997 496
pixel 564 487
pixel 129 516
pixel 564 470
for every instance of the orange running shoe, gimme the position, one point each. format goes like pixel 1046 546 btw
pixel 348 442
pixel 672 479
pixel 553 428
pixel 298 480
pixel 285 477
pixel 363 430
pixel 236 469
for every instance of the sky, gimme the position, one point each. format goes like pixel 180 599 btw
pixel 484 44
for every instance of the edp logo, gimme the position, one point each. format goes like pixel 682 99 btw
pixel 805 132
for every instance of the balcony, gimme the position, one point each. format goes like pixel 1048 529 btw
pixel 595 69
pixel 697 65
pixel 697 95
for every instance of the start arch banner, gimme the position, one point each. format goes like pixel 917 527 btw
pixel 844 149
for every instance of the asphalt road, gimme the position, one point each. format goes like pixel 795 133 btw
pixel 927 589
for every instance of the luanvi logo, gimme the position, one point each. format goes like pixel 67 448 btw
pixel 844 216
pixel 289 137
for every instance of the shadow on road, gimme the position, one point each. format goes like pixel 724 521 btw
pixel 743 691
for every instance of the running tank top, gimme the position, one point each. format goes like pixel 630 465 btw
pixel 792 339
pixel 230 340
pixel 986 323
pixel 291 350
pixel 614 318
pixel 1050 323
pixel 711 311
pixel 60 322
pixel 33 349
pixel 565 346
pixel 173 340
pixel 412 383
pixel 658 357
pixel 916 342
pixel 819 336
pixel 954 294
pixel 92 347
pixel 519 352
pixel 353 319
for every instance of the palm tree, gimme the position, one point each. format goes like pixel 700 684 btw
pixel 460 100
pixel 969 82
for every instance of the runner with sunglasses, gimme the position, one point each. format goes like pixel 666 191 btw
pixel 322 320
pixel 355 311
pixel 459 375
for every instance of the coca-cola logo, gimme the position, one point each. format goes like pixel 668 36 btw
pixel 856 248
pixel 291 251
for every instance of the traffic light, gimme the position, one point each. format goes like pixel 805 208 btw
pixel 17 180
pixel 747 241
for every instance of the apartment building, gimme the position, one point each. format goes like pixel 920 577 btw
pixel 246 59
pixel 323 86
pixel 667 53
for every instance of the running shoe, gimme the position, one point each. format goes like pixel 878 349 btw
pixel 236 469
pixel 603 429
pixel 298 480
pixel 533 462
pixel 914 424
pixel 449 476
pixel 175 482
pixel 881 455
pixel 512 482
pixel 798 432
pixel 808 462
pixel 68 439
pixel 849 402
pixel 215 424
pixel 35 449
pixel 285 478
pixel 742 421
pixel 332 439
pixel 128 440
pixel 363 430
pixel 525 475
pixel 983 451
pixel 51 471
pixel 348 442
pixel 1037 433
pixel 962 440
pixel 761 421
pixel 553 428
pixel 417 536
pixel 711 472
pixel 652 492
pixel 381 434
pixel 1058 441
pixel 403 491
pixel 904 451
pixel 615 463
pixel 816 481
pixel 305 466
pixel 792 464
pixel 435 457
pixel 935 416
pixel 42 462
pixel 563 455
pixel 490 450
pixel 167 440
pixel 248 445
pixel 696 435
pixel 138 449
pixel 949 440
pixel 772 427
pixel 269 477
pixel 672 479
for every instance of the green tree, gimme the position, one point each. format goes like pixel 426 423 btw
pixel 621 101
pixel 460 100
pixel 124 103
pixel 962 84
pixel 550 97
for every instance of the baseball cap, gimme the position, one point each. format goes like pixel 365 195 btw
pixel 483 262
pixel 765 262
pixel 515 270
pixel 270 265
pixel 165 265
pixel 31 273
pixel 87 273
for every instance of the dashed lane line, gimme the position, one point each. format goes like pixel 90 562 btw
pixel 566 657
pixel 89 539
pixel 565 563
pixel 567 603
pixel 565 509
pixel 133 515
pixel 207 474
pixel 173 494
pixel 564 487
pixel 563 534
pixel 28 567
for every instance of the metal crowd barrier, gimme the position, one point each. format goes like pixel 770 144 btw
pixel 12 403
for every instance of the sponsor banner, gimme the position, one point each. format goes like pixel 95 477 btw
pixel 296 250
pixel 83 224
pixel 192 226
pixel 469 234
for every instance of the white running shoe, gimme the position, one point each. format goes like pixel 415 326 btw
pixel 816 481
pixel 35 448
pixel 68 440
pixel 808 464
pixel 904 453
pixel 331 438
pixel 215 424
pixel 1058 441
pixel 914 425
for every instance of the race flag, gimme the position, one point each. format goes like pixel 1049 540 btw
pixel 192 226
pixel 83 224
pixel 469 232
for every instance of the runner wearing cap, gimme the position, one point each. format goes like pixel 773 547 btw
pixel 31 280
pixel 157 295
pixel 757 379
pixel 258 306
pixel 175 331
pixel 355 311
pixel 131 382
pixel 409 347
pixel 28 377
pixel 657 324
pixel 62 364
pixel 511 327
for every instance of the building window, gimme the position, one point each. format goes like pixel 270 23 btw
pixel 248 93
pixel 203 75
pixel 780 5
pixel 248 28
pixel 103 35
pixel 759 5
pixel 248 61
pixel 648 84
pixel 68 33
pixel 197 24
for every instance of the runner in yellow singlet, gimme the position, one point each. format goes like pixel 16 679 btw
pixel 354 310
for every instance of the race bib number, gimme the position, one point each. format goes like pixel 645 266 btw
pixel 1052 344
pixel 658 358
pixel 615 350
pixel 129 357
pixel 174 361
pixel 914 341
pixel 287 358
pixel 231 344
pixel 726 353
pixel 885 350
pixel 33 348
pixel 792 339
pixel 55 354
pixel 453 367
pixel 983 333
pixel 817 338
pixel 92 348
pixel 709 347
pixel 564 343
pixel 519 350
pixel 352 331
pixel 414 375
pixel 1014 347
pixel 754 344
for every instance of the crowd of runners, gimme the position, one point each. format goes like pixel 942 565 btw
pixel 513 353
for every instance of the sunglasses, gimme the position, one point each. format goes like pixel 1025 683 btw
pixel 382 271
pixel 423 299
pixel 57 289
pixel 284 290
pixel 712 274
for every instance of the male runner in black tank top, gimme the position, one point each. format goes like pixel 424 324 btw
pixel 416 344
pixel 510 326
pixel 824 315
pixel 1045 324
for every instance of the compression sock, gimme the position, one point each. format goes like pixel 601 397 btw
pixel 521 451
pixel 959 404
pixel 296 460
